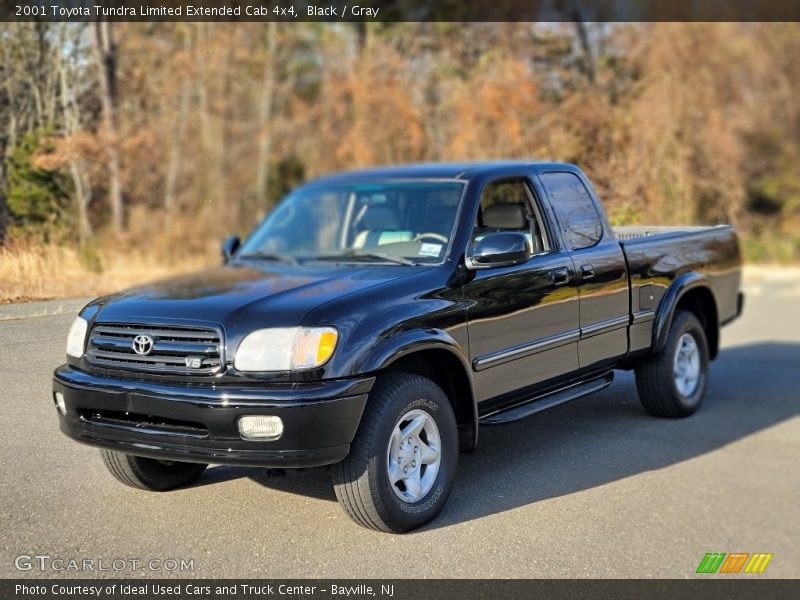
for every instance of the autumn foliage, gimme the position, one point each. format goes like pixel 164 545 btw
pixel 211 123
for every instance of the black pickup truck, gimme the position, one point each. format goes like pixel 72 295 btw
pixel 376 319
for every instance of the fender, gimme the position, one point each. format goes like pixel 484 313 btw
pixel 666 308
pixel 392 348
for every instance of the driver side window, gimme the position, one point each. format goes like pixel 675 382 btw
pixel 508 205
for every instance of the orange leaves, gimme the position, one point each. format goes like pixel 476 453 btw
pixel 674 122
pixel 370 114
pixel 493 110
pixel 379 110
pixel 79 146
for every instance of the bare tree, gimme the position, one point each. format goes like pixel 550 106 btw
pixel 176 142
pixel 265 113
pixel 72 126
pixel 106 57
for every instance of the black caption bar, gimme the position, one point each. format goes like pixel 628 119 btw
pixel 443 589
pixel 400 10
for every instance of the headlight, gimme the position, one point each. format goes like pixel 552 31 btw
pixel 285 349
pixel 76 338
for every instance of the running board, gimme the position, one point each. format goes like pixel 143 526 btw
pixel 545 401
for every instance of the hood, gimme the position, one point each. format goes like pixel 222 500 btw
pixel 256 295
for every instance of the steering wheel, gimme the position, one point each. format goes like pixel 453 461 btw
pixel 431 236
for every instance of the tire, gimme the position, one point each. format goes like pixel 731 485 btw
pixel 400 403
pixel 148 473
pixel 662 391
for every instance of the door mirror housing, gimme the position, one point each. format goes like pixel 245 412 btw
pixel 229 247
pixel 501 249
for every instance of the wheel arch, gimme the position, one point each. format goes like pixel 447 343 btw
pixel 691 292
pixel 435 355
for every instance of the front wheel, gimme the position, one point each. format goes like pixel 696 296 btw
pixel 403 460
pixel 149 473
pixel 672 383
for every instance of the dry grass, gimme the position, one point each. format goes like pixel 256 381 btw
pixel 43 272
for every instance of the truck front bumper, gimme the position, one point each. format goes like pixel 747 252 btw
pixel 195 423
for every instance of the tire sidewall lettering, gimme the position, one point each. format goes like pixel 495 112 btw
pixel 423 403
pixel 419 508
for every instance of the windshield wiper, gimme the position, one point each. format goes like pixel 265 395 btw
pixel 358 254
pixel 270 256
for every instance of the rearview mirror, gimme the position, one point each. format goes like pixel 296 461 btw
pixel 501 249
pixel 229 247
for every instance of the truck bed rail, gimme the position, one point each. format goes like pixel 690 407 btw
pixel 633 233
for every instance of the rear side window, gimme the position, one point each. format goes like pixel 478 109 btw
pixel 575 211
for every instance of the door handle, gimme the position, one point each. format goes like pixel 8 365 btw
pixel 587 271
pixel 559 276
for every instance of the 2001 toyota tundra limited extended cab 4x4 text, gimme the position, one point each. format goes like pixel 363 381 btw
pixel 376 319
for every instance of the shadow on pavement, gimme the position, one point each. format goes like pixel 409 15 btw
pixel 596 440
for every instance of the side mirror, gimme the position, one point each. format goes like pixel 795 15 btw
pixel 501 249
pixel 229 247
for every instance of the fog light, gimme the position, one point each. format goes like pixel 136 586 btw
pixel 60 404
pixel 257 427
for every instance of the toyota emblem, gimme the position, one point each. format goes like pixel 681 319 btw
pixel 143 344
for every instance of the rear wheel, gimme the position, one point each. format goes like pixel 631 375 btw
pixel 402 462
pixel 149 473
pixel 673 382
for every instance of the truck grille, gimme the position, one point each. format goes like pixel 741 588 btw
pixel 172 348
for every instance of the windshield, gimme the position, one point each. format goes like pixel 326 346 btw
pixel 400 222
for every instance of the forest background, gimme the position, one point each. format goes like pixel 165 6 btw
pixel 129 150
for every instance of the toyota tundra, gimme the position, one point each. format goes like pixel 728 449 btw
pixel 376 320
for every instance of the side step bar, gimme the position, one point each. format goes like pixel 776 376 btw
pixel 548 400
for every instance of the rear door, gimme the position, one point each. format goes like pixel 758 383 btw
pixel 523 319
pixel 599 268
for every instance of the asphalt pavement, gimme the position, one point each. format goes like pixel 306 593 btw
pixel 593 488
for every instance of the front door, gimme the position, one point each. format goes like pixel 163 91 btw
pixel 523 319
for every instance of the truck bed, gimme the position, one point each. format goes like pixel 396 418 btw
pixel 657 256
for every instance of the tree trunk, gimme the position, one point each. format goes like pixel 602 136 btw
pixel 586 45
pixel 72 124
pixel 83 195
pixel 202 93
pixel 176 148
pixel 231 210
pixel 265 116
pixel 106 56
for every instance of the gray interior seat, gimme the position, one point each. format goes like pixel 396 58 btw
pixel 505 216
pixel 512 217
pixel 381 226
